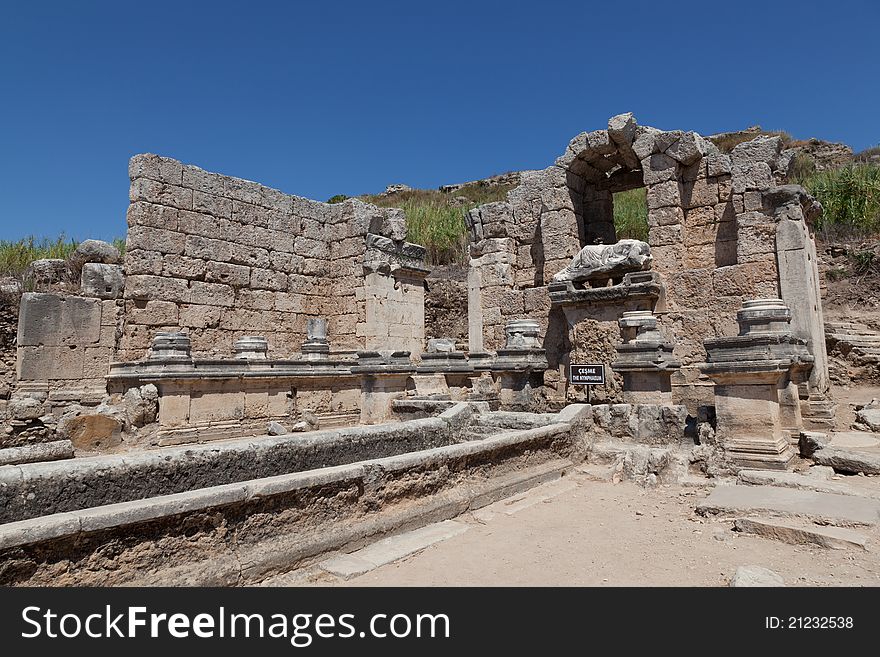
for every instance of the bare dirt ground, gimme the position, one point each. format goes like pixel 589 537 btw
pixel 601 534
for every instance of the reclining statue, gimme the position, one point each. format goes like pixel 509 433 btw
pixel 604 261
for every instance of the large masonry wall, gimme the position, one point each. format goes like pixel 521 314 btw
pixel 220 258
pixel 721 230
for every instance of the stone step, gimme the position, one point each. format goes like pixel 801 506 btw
pixel 845 325
pixel 854 460
pixel 828 508
pixel 819 482
pixel 854 340
pixel 819 424
pixel 391 549
pixel 513 420
pixel 513 505
pixel 802 533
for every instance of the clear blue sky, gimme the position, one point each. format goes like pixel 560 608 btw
pixel 320 98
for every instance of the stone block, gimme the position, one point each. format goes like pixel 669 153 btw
pixel 691 288
pixel 143 262
pixel 754 176
pixel 718 164
pixel 558 222
pixel 154 167
pixel 203 181
pixel 252 256
pixel 266 279
pixel 686 149
pixel 142 213
pixel 557 198
pixel 227 274
pixel 263 237
pixel 658 168
pixel 199 317
pixel 60 363
pixel 699 192
pixel 665 235
pixel 311 248
pixel 181 266
pixel 96 362
pixel 160 240
pixel 702 216
pixel 725 188
pixel 286 262
pixel 756 237
pixel 663 194
pixel 700 234
pixel 152 191
pixel 245 191
pixel 154 313
pixel 102 281
pixel 96 251
pixel 52 319
pixel 665 216
pixel 213 294
pixel 205 225
pixel 206 248
pixel 253 215
pixel 157 287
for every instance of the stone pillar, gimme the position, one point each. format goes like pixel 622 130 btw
pixel 316 345
pixel 170 346
pixel 749 371
pixel 384 378
pixel 251 347
pixel 520 365
pixel 644 360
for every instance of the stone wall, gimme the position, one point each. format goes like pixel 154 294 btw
pixel 221 258
pixel 216 258
pixel 713 222
pixel 8 330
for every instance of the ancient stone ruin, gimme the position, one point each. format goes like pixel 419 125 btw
pixel 293 332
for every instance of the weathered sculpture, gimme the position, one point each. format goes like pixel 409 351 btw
pixel 604 261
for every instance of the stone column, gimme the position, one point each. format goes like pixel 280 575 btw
pixel 749 371
pixel 316 345
pixel 644 360
pixel 170 346
pixel 251 347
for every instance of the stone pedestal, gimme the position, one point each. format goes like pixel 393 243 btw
pixel 592 315
pixel 170 346
pixel 316 346
pixel 520 366
pixel 251 347
pixel 443 370
pixel 753 372
pixel 384 378
pixel 645 360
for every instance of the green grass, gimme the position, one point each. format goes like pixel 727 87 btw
pixel 16 256
pixel 436 220
pixel 631 215
pixel 850 198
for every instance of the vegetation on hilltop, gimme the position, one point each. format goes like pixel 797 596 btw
pixel 15 256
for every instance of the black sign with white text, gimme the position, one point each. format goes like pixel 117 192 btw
pixel 592 374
